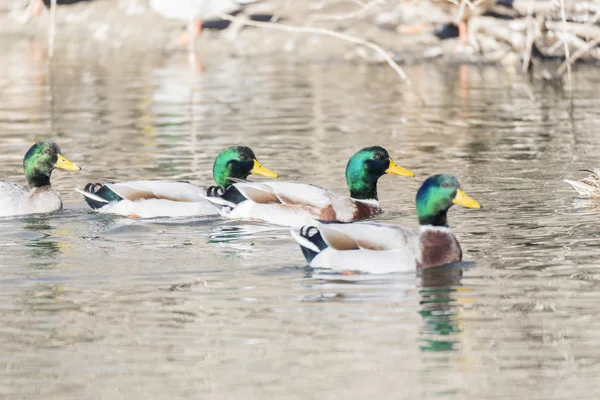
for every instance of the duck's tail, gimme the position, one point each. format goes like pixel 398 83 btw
pixel 98 195
pixel 225 200
pixel 214 195
pixel 223 206
pixel 310 244
pixel 583 189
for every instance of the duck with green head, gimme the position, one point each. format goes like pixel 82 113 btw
pixel 382 248
pixel 38 164
pixel 160 198
pixel 297 204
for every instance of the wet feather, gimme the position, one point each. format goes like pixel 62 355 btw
pixel 588 186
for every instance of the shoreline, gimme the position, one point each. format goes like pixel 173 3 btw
pixel 100 27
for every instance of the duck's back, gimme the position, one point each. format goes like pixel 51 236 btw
pixel 297 204
pixel 15 199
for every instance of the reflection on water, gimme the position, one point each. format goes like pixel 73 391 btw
pixel 440 307
pixel 43 247
pixel 445 333
pixel 108 307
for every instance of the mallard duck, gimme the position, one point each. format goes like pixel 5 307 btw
pixel 38 164
pixel 297 204
pixel 452 7
pixel 476 8
pixel 193 12
pixel 159 198
pixel 588 186
pixel 382 248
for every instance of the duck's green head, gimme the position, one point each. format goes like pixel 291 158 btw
pixel 366 167
pixel 237 162
pixel 41 159
pixel 437 194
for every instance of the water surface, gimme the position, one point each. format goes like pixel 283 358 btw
pixel 103 307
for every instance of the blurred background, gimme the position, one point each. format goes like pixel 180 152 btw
pixel 515 33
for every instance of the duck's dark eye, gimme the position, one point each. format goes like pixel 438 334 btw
pixel 378 156
pixel 47 151
pixel 243 157
pixel 444 185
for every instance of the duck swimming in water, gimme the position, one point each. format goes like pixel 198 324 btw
pixel 39 197
pixel 588 186
pixel 160 198
pixel 378 248
pixel 297 204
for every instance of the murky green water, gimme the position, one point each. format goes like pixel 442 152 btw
pixel 95 306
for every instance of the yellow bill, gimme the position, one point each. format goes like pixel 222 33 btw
pixel 397 170
pixel 462 199
pixel 65 164
pixel 260 170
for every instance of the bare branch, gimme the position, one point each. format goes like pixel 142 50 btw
pixel 567 63
pixel 52 29
pixel 325 32
pixel 530 36
pixel 563 16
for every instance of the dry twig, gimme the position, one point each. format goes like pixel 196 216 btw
pixel 530 36
pixel 567 63
pixel 563 16
pixel 52 29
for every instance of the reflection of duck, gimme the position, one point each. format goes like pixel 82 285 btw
pixel 39 162
pixel 381 248
pixel 296 204
pixel 148 199
pixel 439 308
pixel 588 186
pixel 44 245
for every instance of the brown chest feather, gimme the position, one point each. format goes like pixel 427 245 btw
pixel 364 211
pixel 438 248
pixel 327 214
